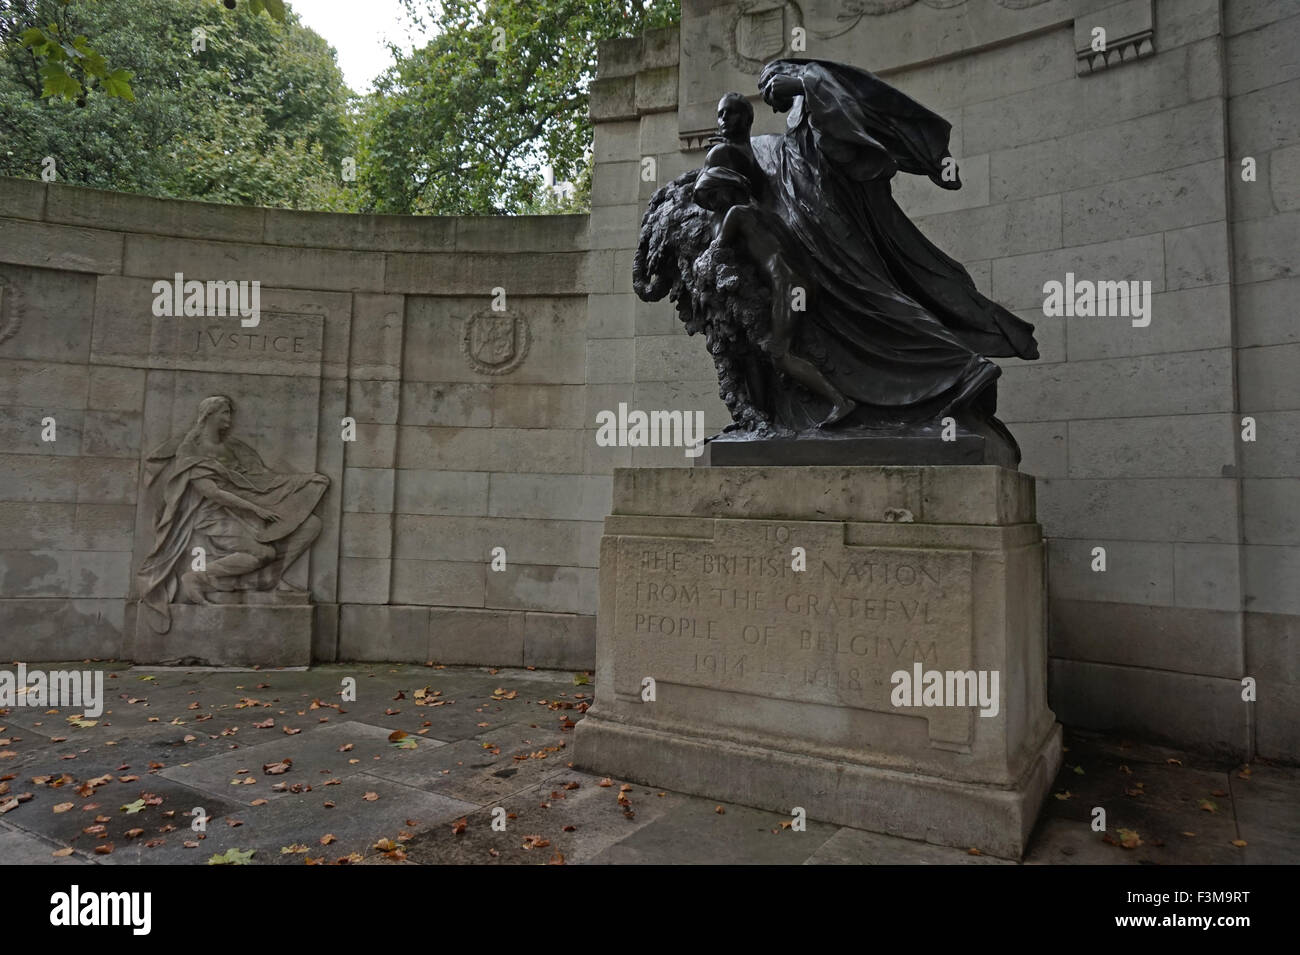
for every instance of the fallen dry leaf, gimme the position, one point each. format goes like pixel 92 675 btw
pixel 61 853
pixel 277 769
pixel 370 797
pixel 327 839
pixel 1128 839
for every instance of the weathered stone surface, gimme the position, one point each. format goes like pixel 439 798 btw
pixel 560 641
pixel 442 492
pixel 497 449
pixel 1190 319
pixel 1151 509
pixel 552 542
pixel 476 636
pixel 365 580
pixel 968 449
pixel 1187 445
pixel 1134 635
pixel 377 327
pixel 443 583
pixel 771 682
pixel 43 314
pixel 534 587
pixel 569 497
pixel 22 198
pixel 239 635
pixel 1137 572
pixel 950 495
pixel 125 212
pixel 277 266
pixel 61 247
pixel 1206 712
pixel 384 633
pixel 1270 576
pixel 1148 144
pixel 435 348
pixel 1177 384
pixel 61 628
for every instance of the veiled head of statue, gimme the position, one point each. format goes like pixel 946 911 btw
pixel 718 188
pixel 219 405
pixel 735 116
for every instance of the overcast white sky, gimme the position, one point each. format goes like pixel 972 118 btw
pixel 357 29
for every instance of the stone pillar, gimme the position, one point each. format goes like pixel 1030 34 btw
pixel 779 687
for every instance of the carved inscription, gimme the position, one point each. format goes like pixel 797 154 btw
pixel 224 338
pixel 283 342
pixel 731 613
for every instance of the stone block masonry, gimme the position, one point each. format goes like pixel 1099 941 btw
pixel 378 362
pixel 1177 166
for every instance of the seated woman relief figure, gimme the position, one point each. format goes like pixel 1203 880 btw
pixel 225 523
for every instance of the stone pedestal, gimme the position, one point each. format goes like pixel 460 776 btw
pixel 253 629
pixel 775 687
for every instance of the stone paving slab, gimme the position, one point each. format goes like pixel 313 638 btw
pixel 855 847
pixel 336 751
pixel 695 833
pixel 23 848
pixel 500 739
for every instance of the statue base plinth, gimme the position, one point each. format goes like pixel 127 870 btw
pixel 867 450
pixel 726 671
pixel 265 631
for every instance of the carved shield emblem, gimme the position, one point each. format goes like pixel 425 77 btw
pixel 761 31
pixel 495 343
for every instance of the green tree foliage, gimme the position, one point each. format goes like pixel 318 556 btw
pixel 466 123
pixel 258 116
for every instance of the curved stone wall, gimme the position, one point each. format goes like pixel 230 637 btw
pixel 373 318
